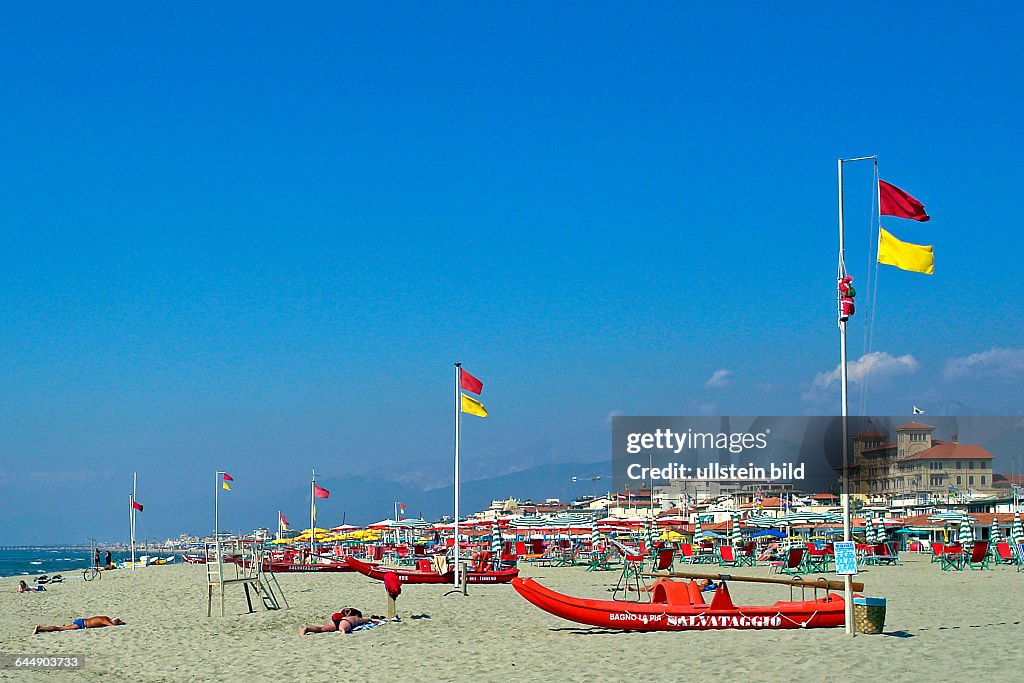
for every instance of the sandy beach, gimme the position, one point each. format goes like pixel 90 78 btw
pixel 939 627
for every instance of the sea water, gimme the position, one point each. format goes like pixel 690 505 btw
pixel 34 561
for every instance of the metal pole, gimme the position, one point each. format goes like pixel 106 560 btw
pixel 134 483
pixel 847 536
pixel 312 515
pixel 458 426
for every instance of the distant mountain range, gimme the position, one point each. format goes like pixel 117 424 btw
pixel 84 512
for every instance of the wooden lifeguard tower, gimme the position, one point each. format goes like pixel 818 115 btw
pixel 247 572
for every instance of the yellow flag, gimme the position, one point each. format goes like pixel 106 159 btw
pixel 473 406
pixel 225 485
pixel 314 513
pixel 904 255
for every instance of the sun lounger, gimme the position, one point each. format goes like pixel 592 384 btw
pixel 979 559
pixel 747 556
pixel 1004 554
pixel 953 558
pixel 691 557
pixel 793 564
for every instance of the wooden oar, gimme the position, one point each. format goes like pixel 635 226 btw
pixel 795 581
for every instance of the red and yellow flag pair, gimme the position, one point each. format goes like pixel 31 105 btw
pixel 469 404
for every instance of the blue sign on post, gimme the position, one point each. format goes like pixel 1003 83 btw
pixel 846 558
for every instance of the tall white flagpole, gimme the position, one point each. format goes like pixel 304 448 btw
pixel 216 514
pixel 458 426
pixel 134 482
pixel 847 535
pixel 312 515
pixel 131 527
pixel 847 579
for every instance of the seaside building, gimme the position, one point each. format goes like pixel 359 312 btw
pixel 917 465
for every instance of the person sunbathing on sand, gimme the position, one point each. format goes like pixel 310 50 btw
pixel 88 622
pixel 25 588
pixel 343 621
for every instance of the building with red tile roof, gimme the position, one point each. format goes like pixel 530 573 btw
pixel 916 463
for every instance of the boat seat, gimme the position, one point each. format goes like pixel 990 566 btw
pixel 665 592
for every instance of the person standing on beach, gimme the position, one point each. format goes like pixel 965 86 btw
pixel 96 558
pixel 106 560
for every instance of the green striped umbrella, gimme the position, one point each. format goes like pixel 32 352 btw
pixel 869 530
pixel 1017 531
pixel 965 536
pixel 996 535
pixel 595 535
pixel 697 531
pixel 737 533
pixel 496 541
pixel 652 536
pixel 880 536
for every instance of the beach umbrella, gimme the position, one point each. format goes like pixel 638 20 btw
pixel 880 536
pixel 737 533
pixel 496 541
pixel 1017 531
pixel 965 536
pixel 595 535
pixel 947 516
pixel 995 536
pixel 651 540
pixel 697 531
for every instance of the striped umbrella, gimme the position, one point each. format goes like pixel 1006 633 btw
pixel 496 541
pixel 652 537
pixel 965 536
pixel 595 535
pixel 737 534
pixel 697 531
pixel 996 535
pixel 1017 531
pixel 880 536
pixel 869 530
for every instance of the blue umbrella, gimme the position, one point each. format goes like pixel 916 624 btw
pixel 773 533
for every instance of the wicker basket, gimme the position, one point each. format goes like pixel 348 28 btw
pixel 869 615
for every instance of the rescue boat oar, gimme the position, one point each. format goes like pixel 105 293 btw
pixel 795 581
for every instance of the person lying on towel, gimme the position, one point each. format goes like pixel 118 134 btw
pixel 345 621
pixel 87 622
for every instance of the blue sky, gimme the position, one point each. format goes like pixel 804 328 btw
pixel 256 238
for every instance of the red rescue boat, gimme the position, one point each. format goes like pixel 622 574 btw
pixel 315 567
pixel 418 576
pixel 679 606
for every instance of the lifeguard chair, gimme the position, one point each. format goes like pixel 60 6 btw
pixel 247 572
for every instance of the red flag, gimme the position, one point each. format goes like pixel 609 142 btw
pixel 227 477
pixel 892 201
pixel 320 492
pixel 284 519
pixel 137 505
pixel 469 382
pixel 393 585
